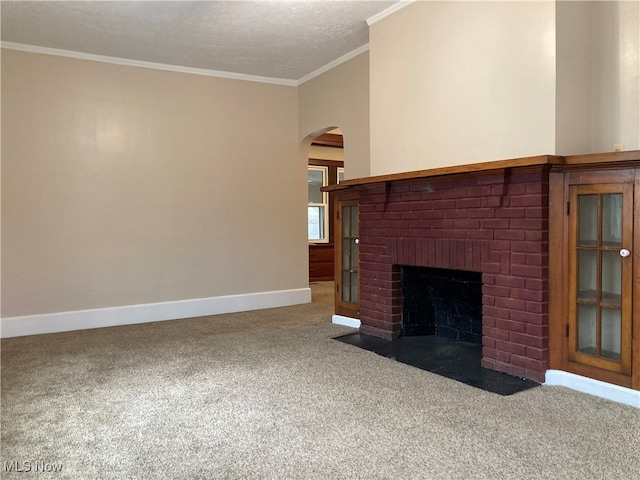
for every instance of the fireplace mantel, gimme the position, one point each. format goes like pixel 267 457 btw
pixel 596 160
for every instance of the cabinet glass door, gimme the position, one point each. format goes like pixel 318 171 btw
pixel 347 257
pixel 600 304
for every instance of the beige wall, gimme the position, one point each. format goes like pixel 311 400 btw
pixel 598 76
pixel 326 153
pixel 123 185
pixel 461 82
pixel 615 77
pixel 339 98
pixel 573 83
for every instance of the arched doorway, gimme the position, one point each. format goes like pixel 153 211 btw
pixel 325 167
pixel 333 226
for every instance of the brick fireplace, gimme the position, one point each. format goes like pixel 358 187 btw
pixel 492 222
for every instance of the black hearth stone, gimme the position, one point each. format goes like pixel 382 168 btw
pixel 452 359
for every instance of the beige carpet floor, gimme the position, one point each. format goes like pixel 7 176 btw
pixel 270 395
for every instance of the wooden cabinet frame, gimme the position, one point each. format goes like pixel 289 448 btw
pixel 560 180
pixel 352 310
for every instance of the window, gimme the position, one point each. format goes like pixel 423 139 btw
pixel 340 174
pixel 318 204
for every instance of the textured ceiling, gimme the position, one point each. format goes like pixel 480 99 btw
pixel 268 38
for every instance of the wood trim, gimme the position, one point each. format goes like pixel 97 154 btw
pixel 329 140
pixel 458 169
pixel 608 160
pixel 599 374
pixel 627 280
pixel 321 162
pixel 585 177
pixel 558 265
pixel 635 341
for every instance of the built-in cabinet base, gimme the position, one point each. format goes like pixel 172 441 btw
pixel 321 262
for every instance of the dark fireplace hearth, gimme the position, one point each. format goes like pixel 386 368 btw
pixel 442 302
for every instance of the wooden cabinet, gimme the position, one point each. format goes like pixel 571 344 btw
pixel 347 268
pixel 594 308
pixel 320 262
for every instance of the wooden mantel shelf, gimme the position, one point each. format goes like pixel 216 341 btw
pixel 487 167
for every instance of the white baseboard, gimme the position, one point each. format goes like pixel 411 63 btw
pixel 609 391
pixel 346 321
pixel 151 312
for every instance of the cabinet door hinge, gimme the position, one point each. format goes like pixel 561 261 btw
pixel 568 208
pixel 337 287
pixel 567 330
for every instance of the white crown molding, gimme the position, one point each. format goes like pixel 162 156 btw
pixel 344 58
pixel 150 312
pixel 392 9
pixel 189 70
pixel 142 64
pixel 590 386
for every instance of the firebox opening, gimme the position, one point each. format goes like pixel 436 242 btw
pixel 441 302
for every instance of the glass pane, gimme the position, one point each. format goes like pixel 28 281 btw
pixel 587 274
pixel 346 221
pixel 315 223
pixel 611 334
pixel 340 175
pixel 612 219
pixel 354 256
pixel 611 277
pixel 315 181
pixel 354 288
pixel 354 222
pixel 346 286
pixel 346 254
pixel 588 219
pixel 587 329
